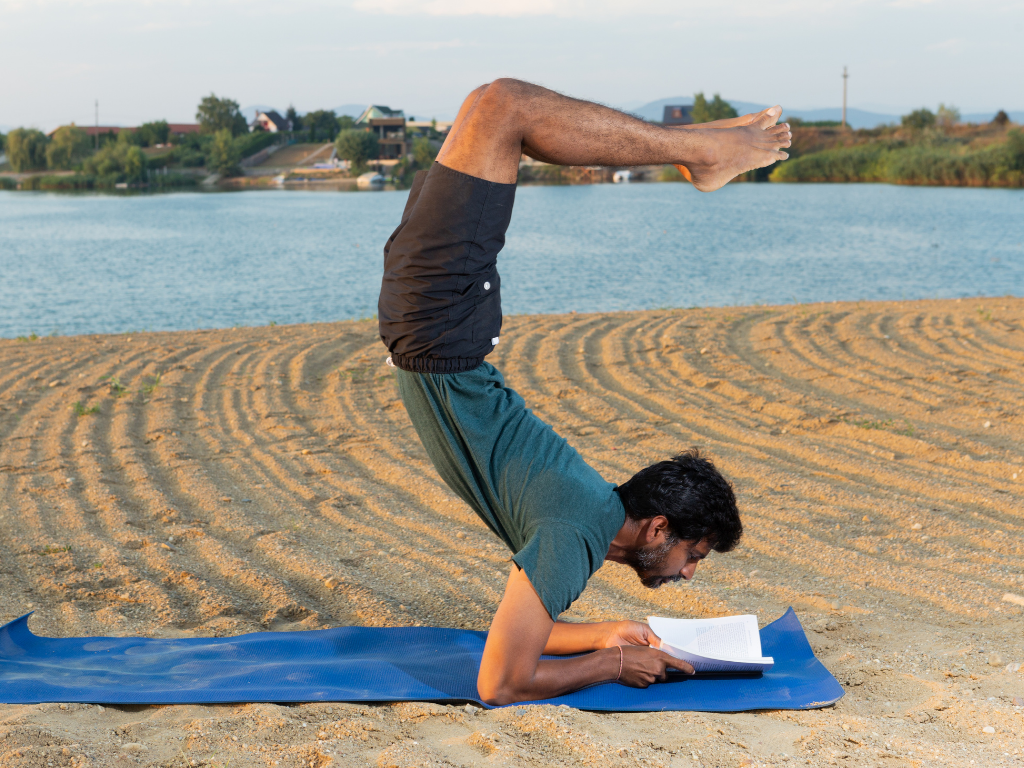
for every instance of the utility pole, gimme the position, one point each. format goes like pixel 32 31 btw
pixel 97 136
pixel 844 95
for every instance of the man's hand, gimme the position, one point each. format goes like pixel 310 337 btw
pixel 643 666
pixel 628 633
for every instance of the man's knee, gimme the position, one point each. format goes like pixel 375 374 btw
pixel 499 98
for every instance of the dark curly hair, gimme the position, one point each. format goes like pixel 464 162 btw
pixel 692 494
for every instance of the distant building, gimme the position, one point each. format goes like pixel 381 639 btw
pixel 270 121
pixel 680 115
pixel 389 126
pixel 423 126
pixel 181 129
pixel 92 130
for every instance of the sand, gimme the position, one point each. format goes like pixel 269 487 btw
pixel 876 450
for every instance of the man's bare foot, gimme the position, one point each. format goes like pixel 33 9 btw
pixel 736 122
pixel 730 151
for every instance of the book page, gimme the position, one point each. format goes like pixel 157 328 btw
pixel 725 644
pixel 725 641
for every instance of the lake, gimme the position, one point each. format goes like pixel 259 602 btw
pixel 83 263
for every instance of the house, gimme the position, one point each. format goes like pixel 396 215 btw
pixel 270 121
pixel 423 127
pixel 181 129
pixel 389 126
pixel 92 130
pixel 680 115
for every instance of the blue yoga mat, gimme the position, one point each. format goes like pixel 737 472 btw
pixel 361 664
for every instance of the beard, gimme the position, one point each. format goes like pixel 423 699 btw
pixel 647 561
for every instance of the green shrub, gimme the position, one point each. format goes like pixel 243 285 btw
pixel 223 156
pixel 26 149
pixel 78 181
pixel 930 161
pixel 67 148
pixel 151 134
pixel 164 159
pixel 250 143
pixel 358 147
pixel 172 180
pixel 120 160
pixel 192 158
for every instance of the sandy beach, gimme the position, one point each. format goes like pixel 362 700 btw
pixel 213 483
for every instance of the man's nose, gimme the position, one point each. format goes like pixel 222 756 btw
pixel 688 571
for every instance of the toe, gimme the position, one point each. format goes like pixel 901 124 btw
pixel 770 116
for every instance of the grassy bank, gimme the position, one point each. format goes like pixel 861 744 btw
pixel 84 182
pixel 967 156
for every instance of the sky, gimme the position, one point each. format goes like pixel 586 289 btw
pixel 155 59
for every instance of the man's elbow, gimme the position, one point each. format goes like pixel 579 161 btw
pixel 498 693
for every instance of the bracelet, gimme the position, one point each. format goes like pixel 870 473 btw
pixel 620 664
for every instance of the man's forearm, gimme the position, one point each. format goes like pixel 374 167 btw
pixel 567 637
pixel 553 677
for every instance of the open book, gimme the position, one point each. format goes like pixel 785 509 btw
pixel 726 644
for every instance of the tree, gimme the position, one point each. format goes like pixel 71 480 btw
pixel 1015 149
pixel 322 122
pixel 68 147
pixel 26 149
pixel 3 139
pixel 918 120
pixel 293 118
pixel 216 115
pixel 224 155
pixel 947 117
pixel 346 123
pixel 358 147
pixel 1001 119
pixel 717 109
pixel 423 152
pixel 156 132
pixel 120 159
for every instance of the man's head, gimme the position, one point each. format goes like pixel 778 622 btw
pixel 681 509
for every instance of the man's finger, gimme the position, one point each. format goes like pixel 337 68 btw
pixel 675 663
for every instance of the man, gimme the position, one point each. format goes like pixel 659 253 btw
pixel 440 315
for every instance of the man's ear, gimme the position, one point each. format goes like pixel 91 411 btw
pixel 657 526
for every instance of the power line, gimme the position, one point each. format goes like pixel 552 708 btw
pixel 844 95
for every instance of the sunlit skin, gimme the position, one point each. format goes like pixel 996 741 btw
pixel 509 670
pixel 497 124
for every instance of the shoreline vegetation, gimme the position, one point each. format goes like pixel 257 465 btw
pixel 987 155
pixel 927 148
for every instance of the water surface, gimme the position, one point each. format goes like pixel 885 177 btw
pixel 73 263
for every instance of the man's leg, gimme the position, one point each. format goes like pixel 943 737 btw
pixel 501 121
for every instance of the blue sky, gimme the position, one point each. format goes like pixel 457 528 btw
pixel 152 59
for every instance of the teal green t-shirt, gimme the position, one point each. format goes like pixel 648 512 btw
pixel 553 510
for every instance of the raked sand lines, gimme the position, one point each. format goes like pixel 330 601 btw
pixel 269 477
pixel 220 482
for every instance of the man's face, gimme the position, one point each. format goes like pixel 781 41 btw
pixel 668 561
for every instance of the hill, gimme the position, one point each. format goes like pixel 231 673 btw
pixel 856 118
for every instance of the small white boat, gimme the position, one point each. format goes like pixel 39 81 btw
pixel 622 177
pixel 370 180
